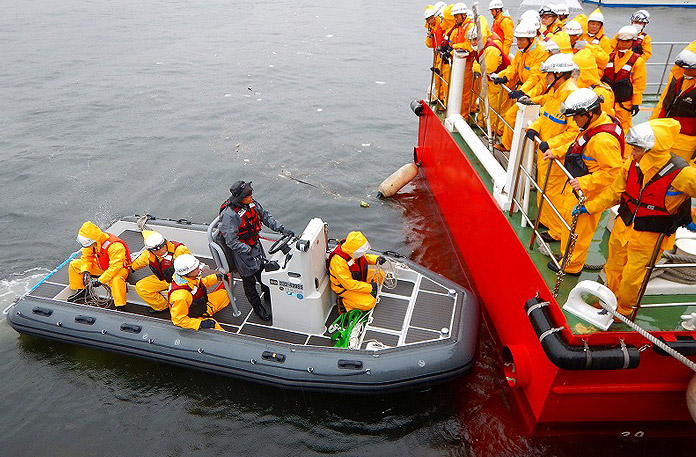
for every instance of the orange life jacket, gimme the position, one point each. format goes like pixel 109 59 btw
pixel 199 305
pixel 681 107
pixel 358 267
pixel 164 268
pixel 103 253
pixel 575 159
pixel 620 81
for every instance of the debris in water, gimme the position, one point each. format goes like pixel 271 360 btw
pixel 364 204
pixel 366 144
pixel 329 36
pixel 320 109
pixel 380 82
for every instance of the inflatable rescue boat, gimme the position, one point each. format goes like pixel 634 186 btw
pixel 423 329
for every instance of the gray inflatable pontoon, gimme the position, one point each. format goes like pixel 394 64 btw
pixel 422 331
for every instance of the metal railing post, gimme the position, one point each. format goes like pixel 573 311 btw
pixel 644 285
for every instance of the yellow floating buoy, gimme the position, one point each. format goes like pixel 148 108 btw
pixel 397 180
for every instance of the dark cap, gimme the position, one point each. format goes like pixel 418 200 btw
pixel 239 191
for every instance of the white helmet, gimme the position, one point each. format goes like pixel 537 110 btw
pixel 531 16
pixel 561 9
pixel 547 9
pixel 573 28
pixel 552 47
pixel 470 14
pixel 596 16
pixel 580 101
pixel 627 32
pixel 429 12
pixel 641 16
pixel 439 8
pixel 185 264
pixel 558 63
pixel 495 4
pixel 525 30
pixel 686 59
pixel 642 136
pixel 459 8
pixel 154 241
pixel 84 241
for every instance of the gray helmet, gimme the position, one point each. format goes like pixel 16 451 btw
pixel 239 191
pixel 686 59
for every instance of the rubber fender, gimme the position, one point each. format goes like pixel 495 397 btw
pixel 397 180
pixel 417 107
pixel 571 357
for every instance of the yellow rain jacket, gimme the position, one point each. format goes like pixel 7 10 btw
pixel 114 276
pixel 150 287
pixel 638 79
pixel 684 145
pixel 599 38
pixel 629 249
pixel 503 23
pixel 180 301
pixel 355 293
pixel 559 35
pixel 493 59
pixel 602 156
pixel 588 77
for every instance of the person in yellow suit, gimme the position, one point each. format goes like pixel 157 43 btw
pixel 434 40
pixel 159 255
pixel 459 42
pixel 574 31
pixel 595 31
pixel 104 255
pixel 643 44
pixel 668 182
pixel 527 61
pixel 553 27
pixel 490 54
pixel 562 10
pixel 503 26
pixel 351 279
pixel 677 102
pixel 556 132
pixel 625 73
pixel 191 305
pixel 594 159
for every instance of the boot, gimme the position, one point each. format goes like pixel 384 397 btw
pixel 79 295
pixel 261 312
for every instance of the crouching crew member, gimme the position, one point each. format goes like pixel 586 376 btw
pixel 104 255
pixel 240 223
pixel 653 191
pixel 351 279
pixel 191 304
pixel 159 255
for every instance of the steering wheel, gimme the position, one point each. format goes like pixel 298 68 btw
pixel 280 244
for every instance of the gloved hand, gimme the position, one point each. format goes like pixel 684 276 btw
pixel 381 259
pixel 86 278
pixel 515 94
pixel 96 283
pixel 285 231
pixel 578 210
pixel 691 226
pixel 525 100
pixel 220 276
pixel 438 48
pixel 499 80
pixel 638 49
pixel 543 146
pixel 635 109
pixel 374 288
pixel 207 323
pixel 531 134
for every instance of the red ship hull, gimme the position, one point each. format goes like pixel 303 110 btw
pixel 645 401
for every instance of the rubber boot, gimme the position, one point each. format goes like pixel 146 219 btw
pixel 249 283
pixel 77 296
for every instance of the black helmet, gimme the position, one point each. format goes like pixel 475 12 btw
pixel 239 191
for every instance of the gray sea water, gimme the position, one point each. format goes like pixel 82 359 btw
pixel 116 108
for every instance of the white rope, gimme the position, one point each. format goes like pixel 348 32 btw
pixel 93 298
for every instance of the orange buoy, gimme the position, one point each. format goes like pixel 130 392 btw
pixel 691 397
pixel 397 180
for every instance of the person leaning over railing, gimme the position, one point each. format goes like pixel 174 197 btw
pixel 459 42
pixel 678 101
pixel 495 61
pixel 434 40
pixel 653 191
pixel 594 159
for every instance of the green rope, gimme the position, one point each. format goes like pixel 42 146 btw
pixel 344 325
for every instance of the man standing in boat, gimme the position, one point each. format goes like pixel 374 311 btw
pixel 104 255
pixel 159 255
pixel 191 304
pixel 240 223
pixel 653 192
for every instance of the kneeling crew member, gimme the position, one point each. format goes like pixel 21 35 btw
pixel 653 191
pixel 159 256
pixel 104 255
pixel 350 277
pixel 191 304
pixel 240 223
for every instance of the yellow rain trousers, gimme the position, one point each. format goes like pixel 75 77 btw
pixel 150 288
pixel 629 249
pixel 114 277
pixel 638 80
pixel 459 41
pixel 518 73
pixel 558 131
pixel 355 294
pixel 493 58
pixel 435 36
pixel 684 145
pixel 602 156
pixel 181 299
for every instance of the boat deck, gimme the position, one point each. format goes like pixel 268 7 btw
pixel 414 312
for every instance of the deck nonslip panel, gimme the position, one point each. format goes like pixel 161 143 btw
pixel 404 288
pixel 431 286
pixel 417 335
pixel 389 313
pixel 432 311
pixel 274 334
pixel 384 338
pixel 47 290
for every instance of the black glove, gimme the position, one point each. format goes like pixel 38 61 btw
pixel 285 231
pixel 543 146
pixel 499 80
pixel 374 288
pixel 531 134
pixel 96 283
pixel 515 94
pixel 381 259
pixel 86 278
pixel 638 49
pixel 635 109
pixel 207 323
pixel 220 276
pixel 438 48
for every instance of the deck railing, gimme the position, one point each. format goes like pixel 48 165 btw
pixel 671 49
